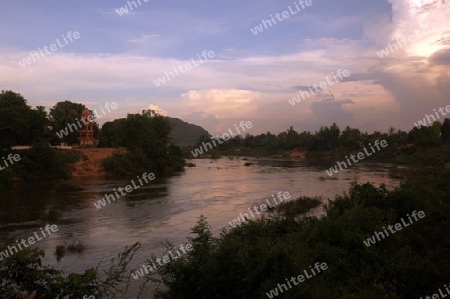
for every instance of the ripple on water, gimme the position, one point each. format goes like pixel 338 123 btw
pixel 166 208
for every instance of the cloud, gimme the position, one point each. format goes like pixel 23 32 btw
pixel 355 78
pixel 242 83
pixel 410 18
pixel 445 39
pixel 157 109
pixel 143 39
pixel 204 120
pixel 329 110
pixel 301 87
pixel 222 103
pixel 441 57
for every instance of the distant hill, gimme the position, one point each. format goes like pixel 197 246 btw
pixel 185 133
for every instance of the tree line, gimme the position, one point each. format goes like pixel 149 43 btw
pixel 428 144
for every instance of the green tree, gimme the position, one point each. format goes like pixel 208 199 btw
pixel 147 137
pixel 326 139
pixel 445 131
pixel 64 114
pixel 42 163
pixel 19 123
pixel 425 136
pixel 350 138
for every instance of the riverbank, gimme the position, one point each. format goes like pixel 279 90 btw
pixel 90 163
pixel 437 156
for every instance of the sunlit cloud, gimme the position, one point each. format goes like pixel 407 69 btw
pixel 222 103
pixel 158 110
pixel 143 39
pixel 251 78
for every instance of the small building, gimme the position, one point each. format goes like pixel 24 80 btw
pixel 86 134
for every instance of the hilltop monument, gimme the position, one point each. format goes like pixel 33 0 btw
pixel 86 133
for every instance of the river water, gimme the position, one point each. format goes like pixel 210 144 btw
pixel 167 208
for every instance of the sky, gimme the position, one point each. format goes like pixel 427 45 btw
pixel 118 56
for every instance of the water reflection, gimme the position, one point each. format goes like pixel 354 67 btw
pixel 165 208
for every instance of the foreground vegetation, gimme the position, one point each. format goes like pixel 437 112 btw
pixel 250 260
pixel 24 276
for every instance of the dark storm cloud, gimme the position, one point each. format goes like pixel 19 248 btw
pixel 444 40
pixel 441 57
pixel 300 87
pixel 330 110
pixel 355 78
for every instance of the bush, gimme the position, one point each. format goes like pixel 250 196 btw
pixel 42 163
pixel 23 274
pixel 250 260
pixel 297 207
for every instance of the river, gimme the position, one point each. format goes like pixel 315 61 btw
pixel 165 209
